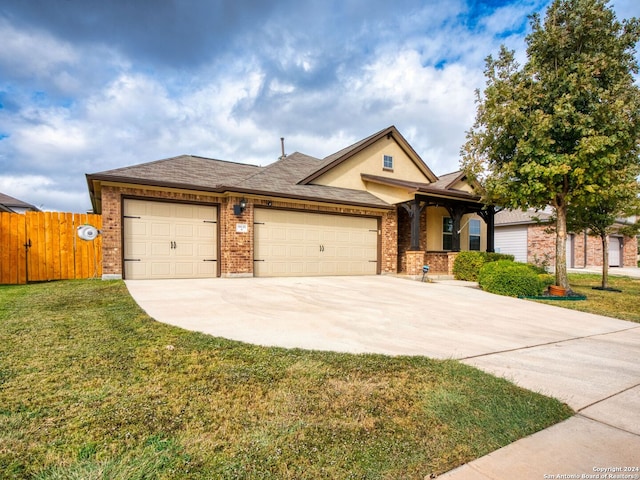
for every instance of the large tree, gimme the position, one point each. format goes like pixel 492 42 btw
pixel 559 130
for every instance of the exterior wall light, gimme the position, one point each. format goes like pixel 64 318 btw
pixel 239 208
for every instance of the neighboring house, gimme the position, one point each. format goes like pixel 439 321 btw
pixel 372 208
pixel 13 205
pixel 522 234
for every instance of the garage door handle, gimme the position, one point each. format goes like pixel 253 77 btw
pixel 322 248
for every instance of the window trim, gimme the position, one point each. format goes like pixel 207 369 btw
pixel 474 235
pixel 384 163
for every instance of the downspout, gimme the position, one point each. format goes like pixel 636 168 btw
pixel 584 243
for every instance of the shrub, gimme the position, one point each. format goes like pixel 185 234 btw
pixel 495 256
pixel 506 277
pixel 467 264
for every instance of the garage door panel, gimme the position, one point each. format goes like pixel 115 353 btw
pixel 183 230
pixel 315 244
pixel 159 209
pixel 160 269
pixel 169 240
pixel 161 229
pixel 207 251
pixel 158 249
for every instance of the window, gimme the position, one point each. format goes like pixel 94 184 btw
pixel 387 162
pixel 447 233
pixel 474 235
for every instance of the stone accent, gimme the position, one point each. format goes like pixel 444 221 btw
pixel 451 258
pixel 414 260
pixel 438 262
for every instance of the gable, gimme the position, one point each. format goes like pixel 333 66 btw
pixel 347 171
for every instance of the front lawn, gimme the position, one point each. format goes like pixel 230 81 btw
pixel 624 305
pixel 92 388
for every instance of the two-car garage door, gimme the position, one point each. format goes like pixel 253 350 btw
pixel 289 243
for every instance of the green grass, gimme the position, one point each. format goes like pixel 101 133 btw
pixel 624 305
pixel 92 388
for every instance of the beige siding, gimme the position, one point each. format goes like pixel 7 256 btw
pixel 369 161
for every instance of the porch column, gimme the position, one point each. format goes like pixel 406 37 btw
pixel 414 208
pixel 488 216
pixel 456 213
pixel 490 220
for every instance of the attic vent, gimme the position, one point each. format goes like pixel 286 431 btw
pixel 282 145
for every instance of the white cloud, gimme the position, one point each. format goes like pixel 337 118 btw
pixel 29 53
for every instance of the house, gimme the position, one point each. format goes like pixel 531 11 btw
pixel 374 207
pixel 13 205
pixel 524 235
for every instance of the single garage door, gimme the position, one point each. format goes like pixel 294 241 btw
pixel 169 240
pixel 615 245
pixel 512 240
pixel 305 244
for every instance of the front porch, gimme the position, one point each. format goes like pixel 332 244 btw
pixel 432 231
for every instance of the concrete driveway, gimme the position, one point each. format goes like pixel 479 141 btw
pixel 588 361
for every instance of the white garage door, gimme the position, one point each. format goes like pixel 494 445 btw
pixel 512 240
pixel 306 244
pixel 169 240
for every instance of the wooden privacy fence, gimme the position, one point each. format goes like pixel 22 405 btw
pixel 41 246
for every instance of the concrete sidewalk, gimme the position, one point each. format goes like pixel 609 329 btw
pixel 588 361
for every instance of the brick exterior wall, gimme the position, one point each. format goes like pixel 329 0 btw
pixel 541 246
pixel 236 248
pixel 438 262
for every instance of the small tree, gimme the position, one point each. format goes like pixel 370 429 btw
pixel 598 219
pixel 559 131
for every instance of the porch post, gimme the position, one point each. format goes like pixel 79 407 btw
pixel 456 213
pixel 414 209
pixel 489 216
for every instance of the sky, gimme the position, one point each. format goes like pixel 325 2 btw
pixel 92 85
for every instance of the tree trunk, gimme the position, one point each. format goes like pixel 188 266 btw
pixel 605 261
pixel 562 279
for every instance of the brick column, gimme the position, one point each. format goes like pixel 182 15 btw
pixel 414 260
pixel 236 239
